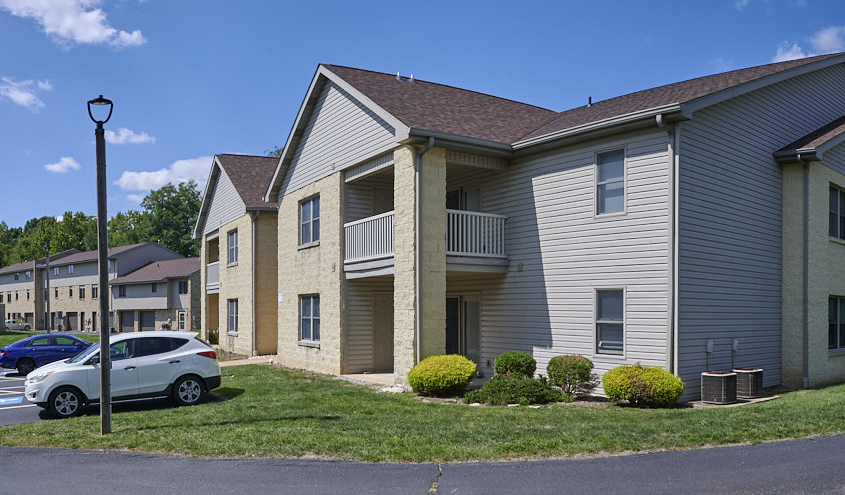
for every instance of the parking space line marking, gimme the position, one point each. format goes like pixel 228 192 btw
pixel 17 407
pixel 11 400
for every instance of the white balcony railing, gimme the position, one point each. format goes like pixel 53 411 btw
pixel 369 238
pixel 471 233
pixel 212 274
pixel 468 233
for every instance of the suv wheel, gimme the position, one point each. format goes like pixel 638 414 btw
pixel 188 390
pixel 65 402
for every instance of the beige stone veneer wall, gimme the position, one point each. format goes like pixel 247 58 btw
pixel 316 269
pixel 236 283
pixel 825 276
pixel 433 334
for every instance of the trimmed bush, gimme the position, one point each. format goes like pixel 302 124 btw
pixel 518 362
pixel 572 373
pixel 642 385
pixel 515 388
pixel 441 375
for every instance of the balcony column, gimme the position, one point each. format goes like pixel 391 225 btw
pixel 203 288
pixel 433 265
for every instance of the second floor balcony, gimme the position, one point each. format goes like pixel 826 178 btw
pixel 472 238
pixel 212 277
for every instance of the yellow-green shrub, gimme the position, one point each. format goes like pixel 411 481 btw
pixel 441 375
pixel 642 385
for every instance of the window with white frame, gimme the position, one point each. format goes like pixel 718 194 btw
pixel 233 246
pixel 836 323
pixel 70 269
pixel 836 221
pixel 55 270
pixel 610 182
pixel 93 292
pixel 180 319
pixel 233 316
pixel 82 292
pixel 28 275
pixel 309 318
pixel 309 220
pixel 610 321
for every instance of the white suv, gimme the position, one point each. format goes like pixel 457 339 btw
pixel 144 364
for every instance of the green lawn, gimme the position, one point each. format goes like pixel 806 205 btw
pixel 10 336
pixel 280 413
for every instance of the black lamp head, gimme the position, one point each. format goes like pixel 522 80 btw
pixel 99 102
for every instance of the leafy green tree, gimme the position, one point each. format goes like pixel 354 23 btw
pixel 275 151
pixel 173 211
pixel 132 227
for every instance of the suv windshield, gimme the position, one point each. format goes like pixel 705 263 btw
pixel 82 356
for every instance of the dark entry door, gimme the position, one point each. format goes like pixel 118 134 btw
pixel 382 332
pixel 148 320
pixel 453 325
pixel 127 321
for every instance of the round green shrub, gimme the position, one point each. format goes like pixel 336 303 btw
pixel 518 362
pixel 642 385
pixel 572 373
pixel 515 388
pixel 441 375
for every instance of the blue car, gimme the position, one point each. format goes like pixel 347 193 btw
pixel 27 354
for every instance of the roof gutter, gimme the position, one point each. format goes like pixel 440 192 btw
pixel 668 113
pixel 458 142
pixel 417 240
pixel 802 155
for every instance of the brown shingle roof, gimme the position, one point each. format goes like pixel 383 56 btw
pixel 680 92
pixel 158 271
pixel 818 137
pixel 250 175
pixel 437 107
pixel 80 257
pixel 24 265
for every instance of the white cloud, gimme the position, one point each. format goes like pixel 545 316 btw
pixel 740 4
pixel 178 171
pixel 63 166
pixel 827 40
pixel 124 135
pixel 24 93
pixel 73 21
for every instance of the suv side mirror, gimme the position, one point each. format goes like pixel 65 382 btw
pixel 94 360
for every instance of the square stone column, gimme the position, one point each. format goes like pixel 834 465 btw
pixel 433 258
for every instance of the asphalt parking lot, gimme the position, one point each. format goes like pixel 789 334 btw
pixel 13 408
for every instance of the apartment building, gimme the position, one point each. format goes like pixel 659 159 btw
pixel 74 285
pixel 161 295
pixel 680 226
pixel 239 258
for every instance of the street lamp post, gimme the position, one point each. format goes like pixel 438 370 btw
pixel 102 247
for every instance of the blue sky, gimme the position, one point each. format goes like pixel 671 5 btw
pixel 193 78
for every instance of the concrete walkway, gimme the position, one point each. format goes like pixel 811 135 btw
pixel 252 360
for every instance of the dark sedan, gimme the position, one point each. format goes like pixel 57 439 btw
pixel 27 354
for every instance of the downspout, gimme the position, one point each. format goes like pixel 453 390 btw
pixel 672 243
pixel 676 279
pixel 805 351
pixel 254 290
pixel 417 240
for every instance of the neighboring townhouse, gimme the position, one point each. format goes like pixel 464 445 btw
pixel 18 294
pixel 680 226
pixel 239 272
pixel 73 280
pixel 161 295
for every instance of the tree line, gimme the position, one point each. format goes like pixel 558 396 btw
pixel 167 215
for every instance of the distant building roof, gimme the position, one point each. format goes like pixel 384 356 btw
pixel 26 265
pixel 159 271
pixel 80 257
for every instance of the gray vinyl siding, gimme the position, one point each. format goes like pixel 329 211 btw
pixel 358 322
pixel 369 196
pixel 560 253
pixel 225 204
pixel 131 260
pixel 340 133
pixel 835 158
pixel 730 200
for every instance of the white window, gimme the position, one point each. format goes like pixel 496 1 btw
pixel 55 270
pixel 180 318
pixel 837 213
pixel 610 321
pixel 309 318
pixel 610 182
pixel 70 269
pixel 836 323
pixel 93 292
pixel 28 275
pixel 233 316
pixel 82 292
pixel 309 220
pixel 233 246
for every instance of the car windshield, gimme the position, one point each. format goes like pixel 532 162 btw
pixel 82 356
